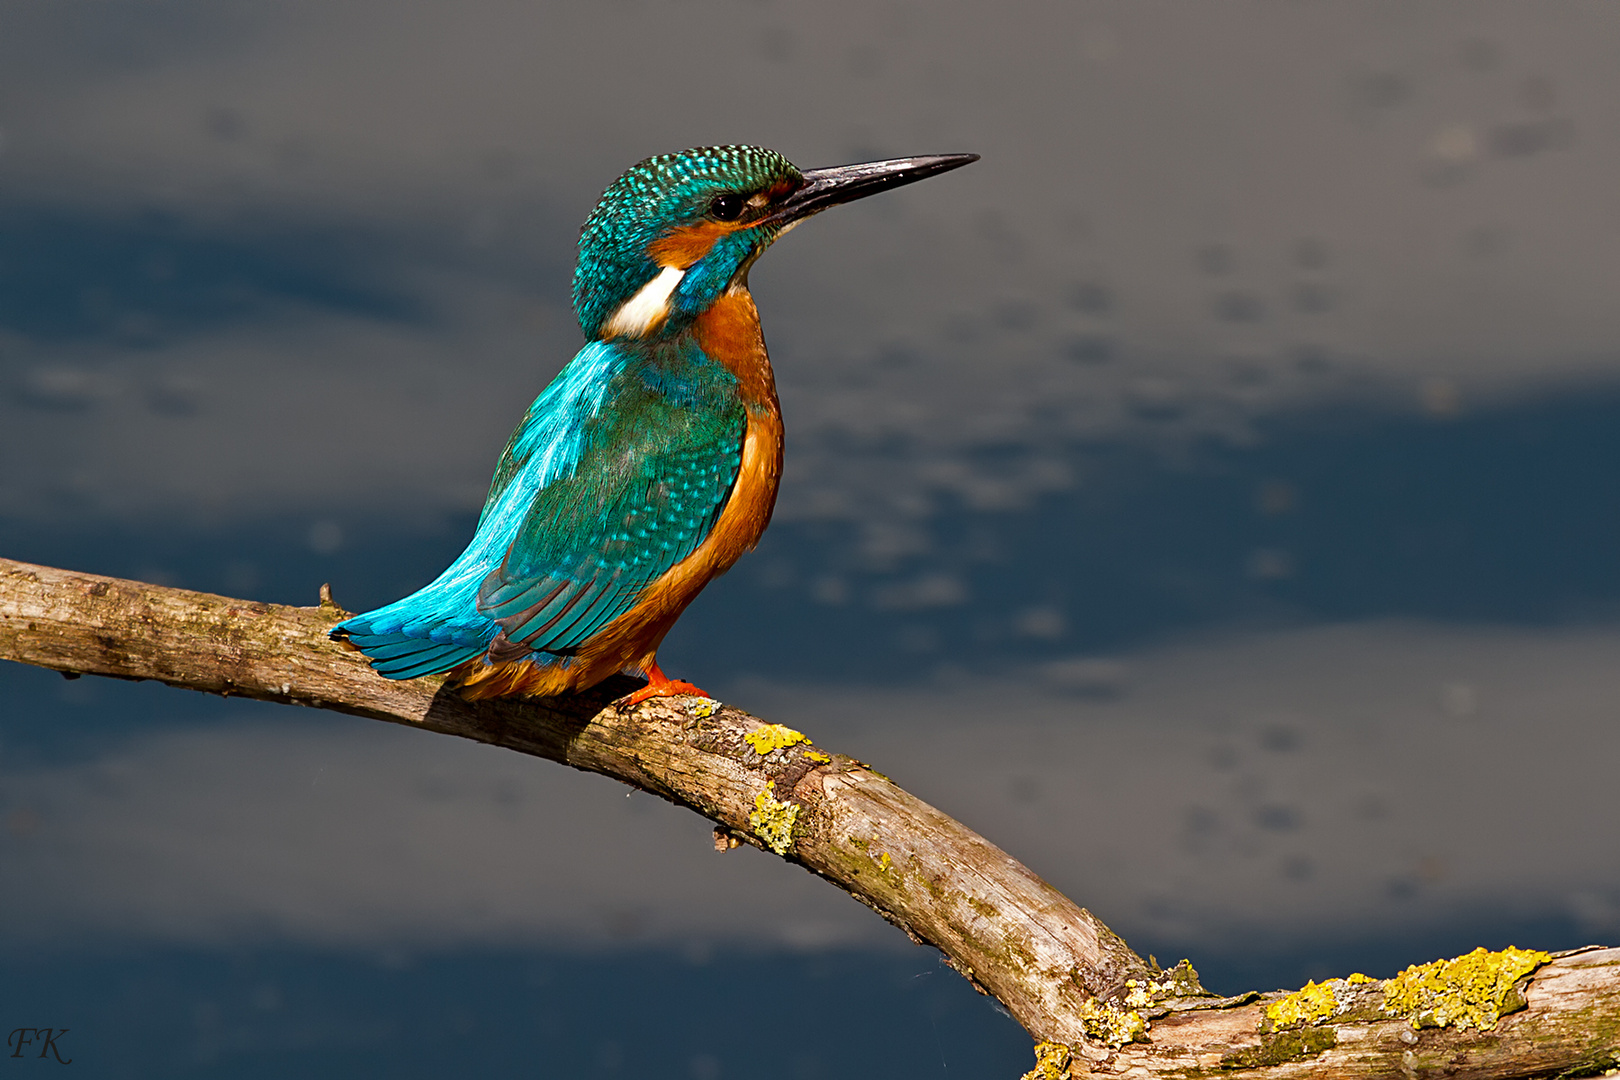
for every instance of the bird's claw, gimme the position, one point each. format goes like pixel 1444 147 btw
pixel 657 688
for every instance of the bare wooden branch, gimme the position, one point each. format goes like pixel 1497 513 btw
pixel 1060 972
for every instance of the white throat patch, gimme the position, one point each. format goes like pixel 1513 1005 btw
pixel 647 308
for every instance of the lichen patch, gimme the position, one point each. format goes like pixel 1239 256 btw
pixel 769 737
pixel 1109 1024
pixel 1475 990
pixel 773 819
pixel 1305 1006
pixel 1051 1062
pixel 1179 982
pixel 1319 1001
pixel 1282 1047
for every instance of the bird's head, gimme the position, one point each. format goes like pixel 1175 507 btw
pixel 676 231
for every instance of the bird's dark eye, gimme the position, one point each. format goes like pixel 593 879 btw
pixel 726 206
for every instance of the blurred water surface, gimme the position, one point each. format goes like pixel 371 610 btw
pixel 1209 496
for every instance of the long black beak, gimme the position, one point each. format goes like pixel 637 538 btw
pixel 829 187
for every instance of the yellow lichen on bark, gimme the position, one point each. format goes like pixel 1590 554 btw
pixel 1304 1006
pixel 1316 1002
pixel 1111 1025
pixel 773 819
pixel 1475 990
pixel 1051 1062
pixel 770 737
pixel 1179 981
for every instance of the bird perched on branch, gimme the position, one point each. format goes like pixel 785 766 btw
pixel 650 464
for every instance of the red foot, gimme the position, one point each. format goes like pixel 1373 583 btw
pixel 658 685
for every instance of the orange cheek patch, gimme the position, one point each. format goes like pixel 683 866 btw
pixel 685 246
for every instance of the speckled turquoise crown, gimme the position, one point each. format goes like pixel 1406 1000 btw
pixel 654 196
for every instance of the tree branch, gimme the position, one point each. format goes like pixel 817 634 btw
pixel 1061 973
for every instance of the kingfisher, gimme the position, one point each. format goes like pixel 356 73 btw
pixel 650 464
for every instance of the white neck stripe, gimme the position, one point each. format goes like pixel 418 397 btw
pixel 647 308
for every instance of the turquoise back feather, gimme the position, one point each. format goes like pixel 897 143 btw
pixel 589 505
pixel 652 475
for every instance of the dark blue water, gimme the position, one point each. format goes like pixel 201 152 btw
pixel 1501 515
pixel 286 1012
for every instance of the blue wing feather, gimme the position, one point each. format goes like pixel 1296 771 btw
pixel 619 470
pixel 651 481
pixel 396 656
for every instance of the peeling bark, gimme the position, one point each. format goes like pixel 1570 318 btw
pixel 1060 972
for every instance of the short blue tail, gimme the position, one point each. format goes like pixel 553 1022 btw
pixel 422 634
pixel 397 656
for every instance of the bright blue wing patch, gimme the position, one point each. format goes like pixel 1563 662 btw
pixel 618 470
pixel 442 619
pixel 650 483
